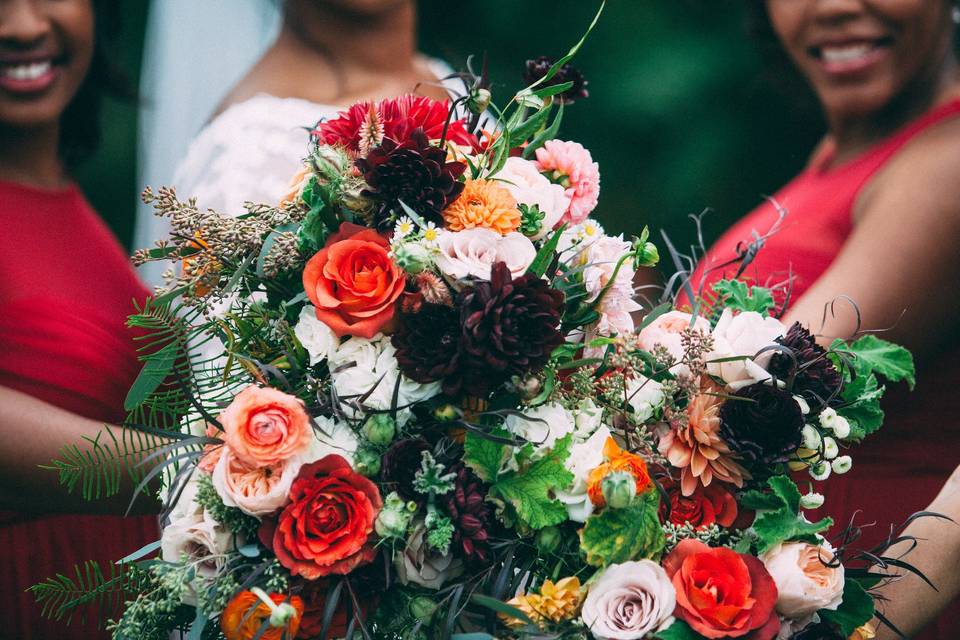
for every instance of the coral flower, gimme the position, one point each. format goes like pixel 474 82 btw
pixel 571 165
pixel 697 449
pixel 264 426
pixel 485 204
pixel 617 460
pixel 246 613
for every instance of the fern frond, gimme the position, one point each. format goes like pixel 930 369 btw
pixel 91 589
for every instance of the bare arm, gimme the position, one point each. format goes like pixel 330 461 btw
pixel 33 434
pixel 903 255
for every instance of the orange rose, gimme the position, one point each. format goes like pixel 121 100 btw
pixel 264 426
pixel 617 460
pixel 296 185
pixel 246 613
pixel 353 283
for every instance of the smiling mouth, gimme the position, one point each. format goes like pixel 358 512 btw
pixel 846 57
pixel 27 71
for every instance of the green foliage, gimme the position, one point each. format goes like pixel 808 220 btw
pixel 679 630
pixel 783 523
pixel 870 354
pixel 862 410
pixel 528 490
pixel 855 610
pixel 741 297
pixel 230 517
pixel 440 532
pixel 545 256
pixel 531 219
pixel 619 535
pixel 483 455
pixel 430 479
pixel 91 588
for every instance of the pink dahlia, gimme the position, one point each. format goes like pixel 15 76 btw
pixel 571 165
pixel 365 124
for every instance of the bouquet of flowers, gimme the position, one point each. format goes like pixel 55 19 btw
pixel 411 401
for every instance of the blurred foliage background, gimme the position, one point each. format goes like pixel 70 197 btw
pixel 680 115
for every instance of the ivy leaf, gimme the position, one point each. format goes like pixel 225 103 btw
pixel 620 535
pixel 871 354
pixel 785 522
pixel 855 610
pixel 759 501
pixel 529 489
pixel 741 297
pixel 863 394
pixel 483 455
pixel 679 630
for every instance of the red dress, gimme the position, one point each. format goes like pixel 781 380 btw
pixel 900 469
pixel 66 288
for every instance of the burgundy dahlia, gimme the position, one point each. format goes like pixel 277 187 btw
pixel 472 517
pixel 400 465
pixel 816 379
pixel 427 344
pixel 508 327
pixel 413 171
pixel 763 424
pixel 538 68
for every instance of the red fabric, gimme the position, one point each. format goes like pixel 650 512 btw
pixel 66 289
pixel 901 469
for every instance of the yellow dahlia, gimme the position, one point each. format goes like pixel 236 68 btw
pixel 556 602
pixel 485 204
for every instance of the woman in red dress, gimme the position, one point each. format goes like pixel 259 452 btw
pixel 66 357
pixel 875 216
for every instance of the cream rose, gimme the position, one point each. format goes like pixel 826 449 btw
pixel 197 538
pixel 743 334
pixel 584 457
pixel 629 600
pixel 316 337
pixel 666 331
pixel 542 425
pixel 528 186
pixel 257 491
pixel 332 438
pixel 805 583
pixel 472 252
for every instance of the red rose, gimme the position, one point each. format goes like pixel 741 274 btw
pixel 327 525
pixel 709 505
pixel 722 593
pixel 353 283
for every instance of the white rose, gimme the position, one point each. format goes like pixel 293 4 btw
pixel 587 419
pixel 316 337
pixel 645 396
pixel 805 584
pixel 542 425
pixel 584 457
pixel 197 539
pixel 332 438
pixel 629 600
pixel 528 186
pixel 743 334
pixel 255 491
pixel 473 252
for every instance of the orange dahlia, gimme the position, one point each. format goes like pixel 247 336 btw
pixel 617 460
pixel 483 203
pixel 697 449
pixel 246 613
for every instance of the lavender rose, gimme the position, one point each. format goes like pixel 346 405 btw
pixel 629 600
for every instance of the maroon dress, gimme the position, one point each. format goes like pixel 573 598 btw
pixel 900 469
pixel 66 288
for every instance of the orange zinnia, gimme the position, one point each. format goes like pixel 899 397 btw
pixel 246 613
pixel 483 203
pixel 617 460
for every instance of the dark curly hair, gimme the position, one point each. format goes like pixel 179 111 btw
pixel 80 122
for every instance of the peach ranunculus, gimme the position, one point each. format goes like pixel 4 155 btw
pixel 353 283
pixel 297 182
pixel 808 579
pixel 666 331
pixel 264 426
pixel 483 203
pixel 617 460
pixel 246 613
pixel 257 491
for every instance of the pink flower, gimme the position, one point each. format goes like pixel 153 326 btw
pixel 264 426
pixel 666 331
pixel 522 178
pixel 570 164
pixel 473 252
pixel 601 258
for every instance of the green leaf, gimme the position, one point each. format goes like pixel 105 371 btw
pixel 863 412
pixel 614 536
pixel 655 313
pixel 500 607
pixel 531 125
pixel 679 630
pixel 156 368
pixel 547 134
pixel 784 522
pixel 483 455
pixel 528 490
pixel 874 355
pixel 759 501
pixel 742 297
pixel 855 610
pixel 64 597
pixel 545 256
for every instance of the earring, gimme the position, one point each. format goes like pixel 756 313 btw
pixel 955 14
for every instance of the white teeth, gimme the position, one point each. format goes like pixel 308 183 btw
pixel 846 54
pixel 30 71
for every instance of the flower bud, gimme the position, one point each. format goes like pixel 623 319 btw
pixel 479 100
pixel 830 448
pixel 548 540
pixel 804 407
pixel 811 437
pixel 394 517
pixel 828 417
pixel 282 614
pixel 619 489
pixel 841 428
pixel 842 464
pixel 646 254
pixel 380 428
pixel 811 500
pixel 447 413
pixel 422 608
pixel 367 462
pixel 820 470
pixel 412 257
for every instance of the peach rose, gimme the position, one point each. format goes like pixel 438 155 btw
pixel 353 283
pixel 257 491
pixel 264 426
pixel 807 578
pixel 666 331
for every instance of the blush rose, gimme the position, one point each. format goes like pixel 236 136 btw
pixel 264 426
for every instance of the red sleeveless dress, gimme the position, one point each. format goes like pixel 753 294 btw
pixel 900 469
pixel 66 288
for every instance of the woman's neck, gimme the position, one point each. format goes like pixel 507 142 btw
pixel 31 156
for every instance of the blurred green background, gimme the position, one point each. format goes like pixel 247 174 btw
pixel 679 117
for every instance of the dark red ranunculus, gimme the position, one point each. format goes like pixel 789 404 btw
pixel 713 504
pixel 314 596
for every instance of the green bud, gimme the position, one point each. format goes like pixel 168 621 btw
pixel 280 616
pixel 479 100
pixel 446 413
pixel 412 257
pixel 422 608
pixel 394 517
pixel 380 428
pixel 367 462
pixel 619 489
pixel 548 540
pixel 646 254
